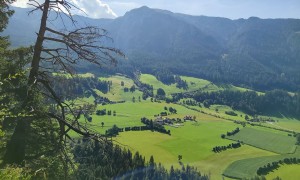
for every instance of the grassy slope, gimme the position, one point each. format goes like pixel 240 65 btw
pixel 129 114
pixel 150 79
pixel 286 123
pixel 193 85
pixel 221 112
pixel 275 142
pixel 291 124
pixel 65 75
pixel 116 92
pixel 194 142
pixel 286 172
pixel 85 100
pixel 247 168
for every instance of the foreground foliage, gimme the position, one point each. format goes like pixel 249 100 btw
pixel 108 161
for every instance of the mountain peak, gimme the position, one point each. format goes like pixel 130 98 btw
pixel 144 7
pixel 140 10
pixel 145 10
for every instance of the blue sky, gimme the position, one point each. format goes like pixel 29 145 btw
pixel 232 9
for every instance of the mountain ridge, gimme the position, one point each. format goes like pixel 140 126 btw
pixel 257 53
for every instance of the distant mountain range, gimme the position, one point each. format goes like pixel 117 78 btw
pixel 258 53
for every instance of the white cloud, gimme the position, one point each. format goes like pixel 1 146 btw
pixel 120 7
pixel 94 9
pixel 21 3
pixel 90 8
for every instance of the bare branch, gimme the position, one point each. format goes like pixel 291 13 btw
pixel 71 47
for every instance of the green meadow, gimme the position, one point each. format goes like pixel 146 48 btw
pixel 129 114
pixel 193 85
pixel 289 172
pixel 152 80
pixel 246 168
pixel 219 111
pixel 117 93
pixel 66 75
pixel 270 141
pixel 287 123
pixel 193 140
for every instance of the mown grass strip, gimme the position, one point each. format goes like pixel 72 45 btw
pixel 247 168
pixel 267 140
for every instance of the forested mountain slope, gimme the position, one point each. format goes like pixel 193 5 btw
pixel 258 53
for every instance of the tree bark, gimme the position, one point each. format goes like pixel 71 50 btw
pixel 15 150
pixel 39 45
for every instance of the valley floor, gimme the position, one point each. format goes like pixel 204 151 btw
pixel 195 139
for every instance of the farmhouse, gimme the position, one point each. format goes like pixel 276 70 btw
pixel 159 120
pixel 163 121
pixel 188 117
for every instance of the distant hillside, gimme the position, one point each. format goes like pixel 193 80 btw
pixel 258 53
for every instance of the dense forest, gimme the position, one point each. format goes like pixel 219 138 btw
pixel 276 102
pixel 72 88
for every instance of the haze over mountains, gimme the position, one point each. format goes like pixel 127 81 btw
pixel 259 53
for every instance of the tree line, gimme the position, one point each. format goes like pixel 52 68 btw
pixel 114 130
pixel 218 149
pixel 74 87
pixel 233 132
pixel 275 165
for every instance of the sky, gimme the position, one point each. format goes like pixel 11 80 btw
pixel 233 9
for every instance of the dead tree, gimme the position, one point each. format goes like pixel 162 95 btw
pixel 82 44
pixel 72 46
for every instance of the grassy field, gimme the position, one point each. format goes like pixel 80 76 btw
pixel 247 168
pixel 285 123
pixel 286 172
pixel 150 79
pixel 194 142
pixel 80 101
pixel 219 110
pixel 193 85
pixel 65 75
pixel 117 93
pixel 292 124
pixel 263 139
pixel 128 114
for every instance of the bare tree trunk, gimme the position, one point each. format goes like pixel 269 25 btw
pixel 15 150
pixel 82 44
pixel 39 45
